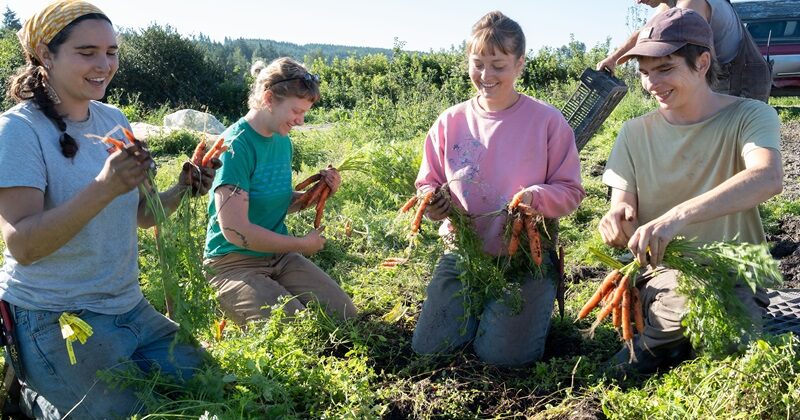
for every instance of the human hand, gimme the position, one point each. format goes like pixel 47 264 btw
pixel 331 177
pixel 649 241
pixel 125 169
pixel 199 179
pixel 618 225
pixel 313 242
pixel 609 63
pixel 439 206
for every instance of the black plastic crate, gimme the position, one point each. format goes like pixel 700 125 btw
pixel 597 95
pixel 783 312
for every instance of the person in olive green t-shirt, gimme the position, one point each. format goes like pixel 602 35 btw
pixel 697 167
pixel 252 258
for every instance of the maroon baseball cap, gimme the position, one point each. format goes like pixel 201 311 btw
pixel 670 30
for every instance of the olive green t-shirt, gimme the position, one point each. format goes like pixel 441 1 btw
pixel 260 166
pixel 666 164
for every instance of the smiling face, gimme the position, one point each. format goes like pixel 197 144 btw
pixel 672 82
pixel 286 113
pixel 84 64
pixel 493 74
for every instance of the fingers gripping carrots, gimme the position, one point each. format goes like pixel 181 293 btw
pixel 319 193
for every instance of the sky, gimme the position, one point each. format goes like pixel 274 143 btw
pixel 422 25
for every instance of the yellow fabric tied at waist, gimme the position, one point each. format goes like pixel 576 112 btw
pixel 73 329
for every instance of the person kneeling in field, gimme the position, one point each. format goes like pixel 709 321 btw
pixel 498 145
pixel 696 167
pixel 252 259
pixel 69 207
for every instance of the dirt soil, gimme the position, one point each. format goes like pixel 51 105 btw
pixel 785 244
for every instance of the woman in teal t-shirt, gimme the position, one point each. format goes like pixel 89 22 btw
pixel 253 260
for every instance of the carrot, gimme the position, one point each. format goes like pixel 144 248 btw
pixel 627 328
pixel 129 134
pixel 516 229
pixel 525 209
pixel 199 152
pixel 636 307
pixel 114 142
pixel 313 178
pixel 534 241
pixel 410 203
pixel 326 190
pixel 421 211
pixel 616 319
pixel 615 302
pixel 308 198
pixel 220 327
pixel 392 262
pixel 210 153
pixel 219 152
pixel 515 200
pixel 605 286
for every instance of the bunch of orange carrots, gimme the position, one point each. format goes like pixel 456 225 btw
pixel 423 204
pixel 619 297
pixel 120 144
pixel 522 215
pixel 202 158
pixel 319 193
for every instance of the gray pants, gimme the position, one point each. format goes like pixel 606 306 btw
pixel 664 308
pixel 498 336
pixel 247 286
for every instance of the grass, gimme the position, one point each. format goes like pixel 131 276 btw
pixel 314 367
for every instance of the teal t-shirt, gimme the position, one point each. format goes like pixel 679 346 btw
pixel 262 167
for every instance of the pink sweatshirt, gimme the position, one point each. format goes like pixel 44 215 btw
pixel 487 157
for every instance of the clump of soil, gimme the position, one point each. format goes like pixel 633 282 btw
pixel 785 244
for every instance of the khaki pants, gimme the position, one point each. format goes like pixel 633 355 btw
pixel 247 286
pixel 664 308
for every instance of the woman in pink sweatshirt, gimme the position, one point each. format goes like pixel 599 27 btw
pixel 486 150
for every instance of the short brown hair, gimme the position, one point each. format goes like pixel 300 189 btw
pixel 284 77
pixel 496 31
pixel 691 53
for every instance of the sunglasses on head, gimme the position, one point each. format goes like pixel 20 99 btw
pixel 308 79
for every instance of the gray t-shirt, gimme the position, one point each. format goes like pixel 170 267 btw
pixel 97 269
pixel 727 30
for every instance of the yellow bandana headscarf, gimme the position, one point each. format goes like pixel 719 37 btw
pixel 43 26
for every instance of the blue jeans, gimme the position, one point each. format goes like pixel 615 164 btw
pixel 141 338
pixel 499 336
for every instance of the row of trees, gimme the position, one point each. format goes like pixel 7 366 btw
pixel 160 67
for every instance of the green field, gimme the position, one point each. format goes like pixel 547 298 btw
pixel 378 110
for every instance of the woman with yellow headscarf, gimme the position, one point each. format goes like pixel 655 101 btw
pixel 69 209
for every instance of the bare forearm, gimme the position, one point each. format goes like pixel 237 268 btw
pixel 39 235
pixel 743 191
pixel 256 238
pixel 625 47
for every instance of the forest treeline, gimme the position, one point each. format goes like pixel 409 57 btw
pixel 160 68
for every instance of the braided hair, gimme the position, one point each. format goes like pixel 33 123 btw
pixel 31 83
